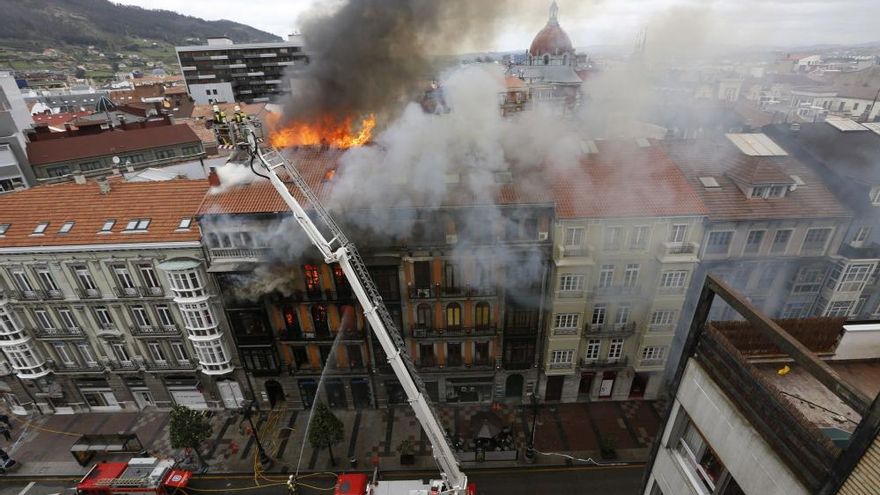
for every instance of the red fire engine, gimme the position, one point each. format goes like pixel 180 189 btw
pixel 359 484
pixel 140 475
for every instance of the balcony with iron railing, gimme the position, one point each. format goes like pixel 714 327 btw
pixel 53 294
pixel 62 368
pixel 672 290
pixel 251 254
pixel 122 365
pixel 652 363
pixel 57 333
pixel 151 291
pixel 88 293
pixel 566 331
pixel 153 331
pixel 602 363
pixel 467 291
pixel 170 365
pixel 678 252
pixel 570 294
pixel 126 292
pixel 611 329
pixel 573 255
pixel 422 331
pixel 618 290
pixel 26 295
pixel 295 335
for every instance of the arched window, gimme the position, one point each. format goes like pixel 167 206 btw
pixel 453 316
pixel 482 316
pixel 423 315
pixel 546 59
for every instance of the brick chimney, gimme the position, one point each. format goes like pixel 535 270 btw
pixel 213 178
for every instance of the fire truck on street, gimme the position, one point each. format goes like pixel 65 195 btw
pixel 140 475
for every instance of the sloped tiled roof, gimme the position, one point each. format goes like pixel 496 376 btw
pixel 109 143
pixel 757 170
pixel 625 182
pixel 716 159
pixel 616 182
pixel 164 203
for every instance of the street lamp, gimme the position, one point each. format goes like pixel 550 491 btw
pixel 265 460
pixel 530 446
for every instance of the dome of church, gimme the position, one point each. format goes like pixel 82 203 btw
pixel 551 40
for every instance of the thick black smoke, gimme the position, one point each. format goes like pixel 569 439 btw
pixel 368 56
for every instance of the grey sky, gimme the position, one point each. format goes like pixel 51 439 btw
pixel 613 22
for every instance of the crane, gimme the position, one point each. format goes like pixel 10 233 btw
pixel 339 249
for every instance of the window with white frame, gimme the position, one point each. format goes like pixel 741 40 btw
pixel 148 274
pixel 623 312
pixel 599 313
pixel 875 196
pixel 662 318
pixel 88 355
pixel 120 352
pixel 211 353
pixel 179 352
pixel 631 275
pixel 719 242
pixel 753 241
pixel 561 357
pixel 566 320
pixel 780 241
pixel 67 319
pixel 839 308
pixel 809 280
pixel 63 353
pixel 606 276
pixel 816 240
pixel 166 319
pixel 186 284
pixel 47 280
pixel 615 349
pixel 639 237
pixel 43 319
pixel 105 319
pixel 613 238
pixel 123 278
pixel 197 317
pixel 84 277
pixel 795 310
pixel 855 277
pixel 156 352
pixel 571 283
pixel 138 224
pixel 140 316
pixel 592 352
pixel 678 233
pixel 22 281
pixel 698 457
pixel 574 236
pixel 673 279
pixel 862 234
pixel 653 353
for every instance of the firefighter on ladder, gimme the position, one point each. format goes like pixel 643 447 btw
pixel 221 126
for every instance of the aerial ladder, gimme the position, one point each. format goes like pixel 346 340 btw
pixel 339 249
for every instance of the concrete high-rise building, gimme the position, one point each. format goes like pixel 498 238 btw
pixel 223 72
pixel 15 119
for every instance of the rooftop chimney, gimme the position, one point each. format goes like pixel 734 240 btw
pixel 104 186
pixel 213 178
pixel 79 179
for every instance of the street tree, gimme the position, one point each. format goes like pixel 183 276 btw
pixel 326 430
pixel 189 429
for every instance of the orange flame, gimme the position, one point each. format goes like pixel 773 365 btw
pixel 325 131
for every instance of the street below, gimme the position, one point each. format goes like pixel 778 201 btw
pixel 592 480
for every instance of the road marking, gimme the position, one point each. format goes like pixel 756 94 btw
pixel 28 487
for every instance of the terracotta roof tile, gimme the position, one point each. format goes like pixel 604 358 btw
pixel 164 203
pixel 108 143
pixel 625 182
pixel 727 202
pixel 757 169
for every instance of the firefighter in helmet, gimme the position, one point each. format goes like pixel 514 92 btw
pixel 239 117
pixel 219 115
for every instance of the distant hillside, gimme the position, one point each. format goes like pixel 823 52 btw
pixel 32 24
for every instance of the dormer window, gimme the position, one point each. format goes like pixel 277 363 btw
pixel 769 191
pixel 41 227
pixel 65 227
pixel 759 192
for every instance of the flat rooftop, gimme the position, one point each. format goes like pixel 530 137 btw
pixel 818 405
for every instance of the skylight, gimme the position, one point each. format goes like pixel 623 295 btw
pixel 138 224
pixel 3 228
pixel 709 182
pixel 185 223
pixel 756 145
pixel 41 228
pixel 65 227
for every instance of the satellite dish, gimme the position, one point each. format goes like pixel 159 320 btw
pixel 116 160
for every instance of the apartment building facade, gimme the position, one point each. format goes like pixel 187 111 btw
pixel 732 426
pixel 106 303
pixel 773 228
pixel 467 301
pixel 622 264
pixel 225 72
pixel 15 119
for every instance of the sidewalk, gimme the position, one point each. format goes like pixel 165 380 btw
pixel 42 444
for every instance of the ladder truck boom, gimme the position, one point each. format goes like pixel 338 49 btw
pixel 339 249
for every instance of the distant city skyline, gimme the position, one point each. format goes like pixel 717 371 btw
pixel 677 23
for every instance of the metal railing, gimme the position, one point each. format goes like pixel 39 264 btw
pixel 603 363
pixel 126 292
pixel 612 329
pixel 154 331
pixel 170 365
pixel 57 333
pixel 88 293
pixel 420 331
pixel 151 291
